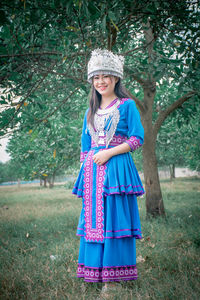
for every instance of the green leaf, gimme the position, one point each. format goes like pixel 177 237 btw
pixel 104 23
pixel 177 70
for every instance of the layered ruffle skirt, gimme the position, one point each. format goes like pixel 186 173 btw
pixel 109 222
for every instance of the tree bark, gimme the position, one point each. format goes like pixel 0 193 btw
pixel 18 183
pixel 45 182
pixel 154 200
pixel 51 184
pixel 53 178
pixel 172 171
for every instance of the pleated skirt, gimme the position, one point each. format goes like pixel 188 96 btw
pixel 109 222
pixel 115 259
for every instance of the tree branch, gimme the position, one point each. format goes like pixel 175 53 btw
pixel 165 113
pixel 31 54
pixel 60 105
pixel 9 133
pixel 43 53
pixel 138 102
pixel 32 90
pixel 140 80
pixel 140 47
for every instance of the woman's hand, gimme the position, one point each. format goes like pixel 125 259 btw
pixel 102 157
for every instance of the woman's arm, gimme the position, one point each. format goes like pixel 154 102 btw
pixel 103 156
pixel 135 133
pixel 85 139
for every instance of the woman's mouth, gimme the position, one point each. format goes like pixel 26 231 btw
pixel 102 88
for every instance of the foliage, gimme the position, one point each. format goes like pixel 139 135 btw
pixel 178 140
pixel 192 150
pixel 49 149
pixel 8 173
pixel 45 46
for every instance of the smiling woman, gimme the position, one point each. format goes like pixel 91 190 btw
pixel 108 182
pixel 104 85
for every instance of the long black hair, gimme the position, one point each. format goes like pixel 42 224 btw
pixel 95 99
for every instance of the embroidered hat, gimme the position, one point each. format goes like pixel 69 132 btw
pixel 105 62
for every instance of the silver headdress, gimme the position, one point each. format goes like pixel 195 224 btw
pixel 105 62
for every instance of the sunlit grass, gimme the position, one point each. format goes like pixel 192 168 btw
pixel 36 223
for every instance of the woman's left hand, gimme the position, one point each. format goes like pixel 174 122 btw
pixel 101 157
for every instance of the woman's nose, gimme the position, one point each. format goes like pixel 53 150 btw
pixel 101 79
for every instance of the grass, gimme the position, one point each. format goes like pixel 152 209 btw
pixel 36 223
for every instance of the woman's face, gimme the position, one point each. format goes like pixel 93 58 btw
pixel 105 84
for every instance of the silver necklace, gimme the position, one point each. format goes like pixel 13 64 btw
pixel 105 124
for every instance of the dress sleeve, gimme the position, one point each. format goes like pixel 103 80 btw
pixel 135 128
pixel 85 140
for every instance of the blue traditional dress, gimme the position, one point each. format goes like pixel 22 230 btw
pixel 109 222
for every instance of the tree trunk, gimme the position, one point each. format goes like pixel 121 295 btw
pixel 45 182
pixel 40 182
pixel 172 171
pixel 154 201
pixel 53 178
pixel 50 185
pixel 51 182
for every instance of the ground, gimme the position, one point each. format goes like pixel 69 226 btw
pixel 39 247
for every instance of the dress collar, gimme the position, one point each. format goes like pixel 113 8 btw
pixel 110 105
pixel 110 108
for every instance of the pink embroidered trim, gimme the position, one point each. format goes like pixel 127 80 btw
pixel 122 101
pixel 111 104
pixel 134 143
pixel 93 234
pixel 107 273
pixel 76 189
pixel 83 155
pixel 99 201
pixel 122 230
pixel 136 236
pixel 116 140
pixel 88 192
pixel 132 192
pixel 106 267
pixel 126 186
pixel 138 193
pixel 141 192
